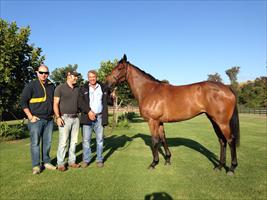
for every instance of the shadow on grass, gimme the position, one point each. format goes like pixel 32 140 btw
pixel 176 142
pixel 114 142
pixel 79 148
pixel 158 196
pixel 111 144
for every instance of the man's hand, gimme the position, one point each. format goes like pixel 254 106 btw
pixel 91 115
pixel 60 121
pixel 34 119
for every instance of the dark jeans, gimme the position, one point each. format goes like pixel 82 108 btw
pixel 41 133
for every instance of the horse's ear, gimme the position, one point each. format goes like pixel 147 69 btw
pixel 124 58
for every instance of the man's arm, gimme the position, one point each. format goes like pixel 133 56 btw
pixel 84 107
pixel 25 97
pixel 59 120
pixel 31 117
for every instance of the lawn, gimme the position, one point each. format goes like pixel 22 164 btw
pixel 127 153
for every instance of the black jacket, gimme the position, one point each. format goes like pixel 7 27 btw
pixel 39 103
pixel 84 103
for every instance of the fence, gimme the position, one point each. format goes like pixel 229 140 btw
pixel 260 111
pixel 125 109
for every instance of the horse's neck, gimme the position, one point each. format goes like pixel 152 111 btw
pixel 139 83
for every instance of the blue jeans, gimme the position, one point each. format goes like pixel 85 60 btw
pixel 41 133
pixel 87 133
pixel 69 131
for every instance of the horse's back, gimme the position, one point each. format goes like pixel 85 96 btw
pixel 169 103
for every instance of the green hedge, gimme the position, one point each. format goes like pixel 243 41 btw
pixel 11 132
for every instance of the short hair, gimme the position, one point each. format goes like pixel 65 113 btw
pixel 92 72
pixel 72 72
pixel 42 65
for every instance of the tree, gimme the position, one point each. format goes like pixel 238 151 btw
pixel 105 69
pixel 252 94
pixel 59 75
pixel 214 77
pixel 18 62
pixel 232 74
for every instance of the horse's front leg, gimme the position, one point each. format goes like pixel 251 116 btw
pixel 153 126
pixel 155 152
pixel 165 145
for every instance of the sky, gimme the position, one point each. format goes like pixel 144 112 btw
pixel 178 41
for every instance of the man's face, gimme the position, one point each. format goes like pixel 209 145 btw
pixel 73 79
pixel 92 78
pixel 42 73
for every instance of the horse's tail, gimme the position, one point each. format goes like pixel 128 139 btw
pixel 234 125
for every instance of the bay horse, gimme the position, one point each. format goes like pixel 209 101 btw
pixel 160 102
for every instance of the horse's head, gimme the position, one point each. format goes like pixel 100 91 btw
pixel 119 73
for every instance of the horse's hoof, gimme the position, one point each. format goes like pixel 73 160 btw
pixel 150 167
pixel 217 169
pixel 230 173
pixel 167 163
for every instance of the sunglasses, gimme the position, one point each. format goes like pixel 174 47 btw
pixel 43 72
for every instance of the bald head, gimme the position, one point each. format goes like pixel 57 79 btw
pixel 43 67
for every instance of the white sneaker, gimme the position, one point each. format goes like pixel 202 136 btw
pixel 49 166
pixel 36 170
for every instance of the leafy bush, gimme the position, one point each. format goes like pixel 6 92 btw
pixel 130 115
pixel 123 121
pixel 10 132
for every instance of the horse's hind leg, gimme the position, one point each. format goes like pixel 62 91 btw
pixel 223 143
pixel 164 143
pixel 154 128
pixel 222 154
pixel 232 144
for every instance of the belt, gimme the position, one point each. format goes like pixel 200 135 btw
pixel 71 115
pixel 98 114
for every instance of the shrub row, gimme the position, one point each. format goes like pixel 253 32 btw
pixel 11 132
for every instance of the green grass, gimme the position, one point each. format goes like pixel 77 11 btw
pixel 194 148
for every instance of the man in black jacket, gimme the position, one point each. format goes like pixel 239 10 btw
pixel 37 104
pixel 93 101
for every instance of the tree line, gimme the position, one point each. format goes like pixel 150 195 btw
pixel 19 61
pixel 251 94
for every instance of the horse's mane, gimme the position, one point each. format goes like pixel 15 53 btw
pixel 147 74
